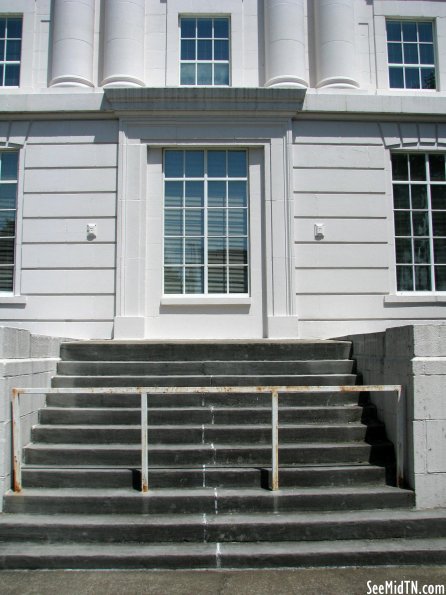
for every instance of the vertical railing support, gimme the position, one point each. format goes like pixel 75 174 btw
pixel 144 454
pixel 401 417
pixel 16 441
pixel 275 440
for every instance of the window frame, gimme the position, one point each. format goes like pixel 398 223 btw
pixel 206 294
pixel 196 62
pixel 5 62
pixel 405 66
pixel 429 183
pixel 12 181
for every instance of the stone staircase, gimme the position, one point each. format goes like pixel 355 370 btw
pixel 209 504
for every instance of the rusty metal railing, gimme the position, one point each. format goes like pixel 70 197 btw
pixel 274 391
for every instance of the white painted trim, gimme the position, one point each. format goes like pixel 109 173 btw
pixel 205 301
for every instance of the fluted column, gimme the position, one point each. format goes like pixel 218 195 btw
pixel 124 43
pixel 73 39
pixel 285 44
pixel 336 60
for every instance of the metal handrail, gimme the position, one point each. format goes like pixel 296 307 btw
pixel 274 391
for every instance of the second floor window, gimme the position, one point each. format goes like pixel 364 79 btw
pixel 204 51
pixel 8 210
pixel 411 56
pixel 10 51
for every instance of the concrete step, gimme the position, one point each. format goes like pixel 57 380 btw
pixel 204 500
pixel 204 400
pixel 21 555
pixel 206 476
pixel 206 454
pixel 206 434
pixel 224 528
pixel 215 380
pixel 237 350
pixel 202 415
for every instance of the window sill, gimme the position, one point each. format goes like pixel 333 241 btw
pixel 415 299
pixel 13 299
pixel 205 301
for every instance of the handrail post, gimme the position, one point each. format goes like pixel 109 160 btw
pixel 400 436
pixel 16 441
pixel 275 440
pixel 144 454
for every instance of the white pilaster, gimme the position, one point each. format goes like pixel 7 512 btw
pixel 124 43
pixel 73 38
pixel 335 44
pixel 285 44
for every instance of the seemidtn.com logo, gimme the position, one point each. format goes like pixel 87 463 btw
pixel 404 587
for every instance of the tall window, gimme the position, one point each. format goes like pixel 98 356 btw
pixel 205 222
pixel 8 209
pixel 10 51
pixel 411 56
pixel 204 51
pixel 419 199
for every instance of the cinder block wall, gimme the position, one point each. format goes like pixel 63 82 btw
pixel 414 356
pixel 26 361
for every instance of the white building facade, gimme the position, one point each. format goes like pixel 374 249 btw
pixel 238 169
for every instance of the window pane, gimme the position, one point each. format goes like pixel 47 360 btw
pixel 237 194
pixel 238 280
pixel 396 78
pixel 403 250
pixel 238 251
pixel 237 164
pixel 422 251
pixel 394 53
pixel 194 164
pixel 204 28
pixel 173 251
pixel 173 194
pixel 173 164
pixel 399 167
pixel 420 223
pixel 188 28
pixel 13 50
pixel 439 223
pixel 217 164
pixel 204 74
pixel 173 222
pixel 423 278
pixel 194 251
pixel 221 49
pixel 8 193
pixel 411 53
pixel 417 167
pixel 194 222
pixel 440 251
pixel 419 197
pixel 173 280
pixel 188 49
pixel 237 224
pixel 194 280
pixel 217 280
pixel 412 78
pixel 409 31
pixel 216 194
pixel 6 279
pixel 12 75
pixel 2 49
pixel 425 32
pixel 9 166
pixel 404 278
pixel 393 30
pixel 7 251
pixel 440 278
pixel 217 251
pixel 221 28
pixel 401 196
pixel 221 74
pixel 2 26
pixel 428 80
pixel 187 74
pixel 194 194
pixel 204 49
pixel 426 53
pixel 14 27
pixel 438 197
pixel 402 223
pixel 217 222
pixel 437 168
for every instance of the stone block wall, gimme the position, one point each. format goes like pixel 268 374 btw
pixel 414 356
pixel 26 361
